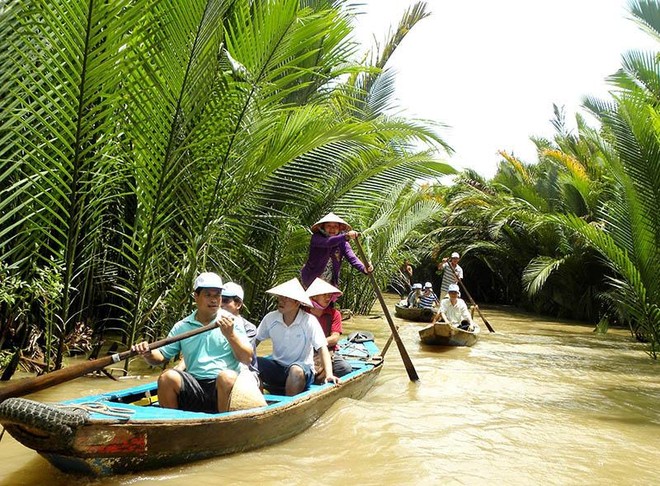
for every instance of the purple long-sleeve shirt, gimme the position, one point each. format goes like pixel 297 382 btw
pixel 323 248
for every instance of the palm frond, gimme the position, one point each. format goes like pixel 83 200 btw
pixel 646 14
pixel 64 65
pixel 537 272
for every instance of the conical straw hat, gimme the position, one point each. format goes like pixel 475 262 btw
pixel 246 393
pixel 293 290
pixel 320 287
pixel 331 218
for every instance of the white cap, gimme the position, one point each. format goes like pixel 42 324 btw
pixel 208 280
pixel 416 286
pixel 331 218
pixel 428 285
pixel 455 255
pixel 454 288
pixel 293 290
pixel 232 289
pixel 320 287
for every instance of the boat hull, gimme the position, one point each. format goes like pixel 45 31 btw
pixel 416 314
pixel 443 334
pixel 154 438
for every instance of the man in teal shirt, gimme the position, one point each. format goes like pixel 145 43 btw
pixel 213 359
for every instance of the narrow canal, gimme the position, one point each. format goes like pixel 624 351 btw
pixel 538 402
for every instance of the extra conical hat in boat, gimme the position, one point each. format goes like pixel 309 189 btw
pixel 293 290
pixel 320 287
pixel 246 393
pixel 331 218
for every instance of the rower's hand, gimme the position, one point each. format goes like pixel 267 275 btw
pixel 141 348
pixel 351 235
pixel 332 379
pixel 226 325
pixel 370 268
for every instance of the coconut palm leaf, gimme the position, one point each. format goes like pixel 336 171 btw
pixel 538 271
pixel 646 14
pixel 629 232
pixel 386 228
pixel 62 68
pixel 640 74
pixel 272 43
pixel 299 160
pixel 166 105
pixel 364 82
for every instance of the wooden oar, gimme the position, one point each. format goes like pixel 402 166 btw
pixel 460 282
pixel 410 369
pixel 30 385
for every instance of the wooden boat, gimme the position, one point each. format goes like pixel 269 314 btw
pixel 444 334
pixel 417 314
pixel 127 431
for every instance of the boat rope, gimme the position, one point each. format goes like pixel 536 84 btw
pixel 103 409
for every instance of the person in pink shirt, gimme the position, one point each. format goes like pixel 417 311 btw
pixel 322 296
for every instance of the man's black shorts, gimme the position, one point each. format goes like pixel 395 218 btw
pixel 198 395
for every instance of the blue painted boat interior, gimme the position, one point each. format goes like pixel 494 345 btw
pixel 113 401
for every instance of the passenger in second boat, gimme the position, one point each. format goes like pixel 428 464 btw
pixel 415 295
pixel 428 299
pixel 454 310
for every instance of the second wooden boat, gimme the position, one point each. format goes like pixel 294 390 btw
pixel 417 314
pixel 444 334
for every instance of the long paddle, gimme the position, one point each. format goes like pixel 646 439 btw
pixel 410 369
pixel 30 385
pixel 460 282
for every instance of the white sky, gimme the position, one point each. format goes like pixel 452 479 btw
pixel 491 69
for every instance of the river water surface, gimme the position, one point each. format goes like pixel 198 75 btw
pixel 537 402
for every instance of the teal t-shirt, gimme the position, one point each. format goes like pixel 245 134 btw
pixel 206 354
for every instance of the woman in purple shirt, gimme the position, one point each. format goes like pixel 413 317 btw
pixel 329 245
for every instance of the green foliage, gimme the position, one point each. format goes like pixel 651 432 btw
pixel 142 142
pixel 28 305
pixel 580 229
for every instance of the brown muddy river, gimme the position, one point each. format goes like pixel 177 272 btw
pixel 538 402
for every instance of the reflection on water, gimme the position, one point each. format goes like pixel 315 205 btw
pixel 538 402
